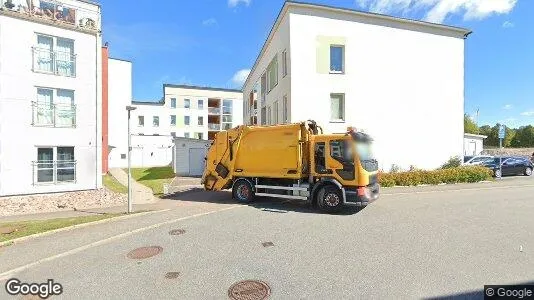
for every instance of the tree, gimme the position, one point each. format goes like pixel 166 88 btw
pixel 489 141
pixel 470 126
pixel 524 137
pixel 493 135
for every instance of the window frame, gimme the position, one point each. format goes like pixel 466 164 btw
pixel 188 118
pixel 200 120
pixel 343 119
pixel 55 165
pixel 173 103
pixel 139 123
pixel 342 59
pixel 53 55
pixel 173 117
pixel 284 63
pixel 188 101
pixel 154 123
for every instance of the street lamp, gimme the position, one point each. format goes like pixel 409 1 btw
pixel 130 204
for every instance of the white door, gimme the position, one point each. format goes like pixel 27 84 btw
pixel 472 150
pixel 196 161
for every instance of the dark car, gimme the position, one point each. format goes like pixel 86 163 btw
pixel 511 165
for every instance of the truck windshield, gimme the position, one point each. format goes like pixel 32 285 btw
pixel 365 151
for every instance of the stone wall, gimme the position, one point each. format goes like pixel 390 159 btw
pixel 31 204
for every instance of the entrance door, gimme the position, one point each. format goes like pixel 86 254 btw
pixel 196 161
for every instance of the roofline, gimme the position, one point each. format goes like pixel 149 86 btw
pixel 289 3
pixel 120 59
pixel 147 103
pixel 91 2
pixel 205 88
pixel 475 135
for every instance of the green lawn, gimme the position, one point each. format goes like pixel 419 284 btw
pixel 154 178
pixel 112 184
pixel 26 228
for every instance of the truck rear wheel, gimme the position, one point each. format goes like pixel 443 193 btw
pixel 243 192
pixel 330 199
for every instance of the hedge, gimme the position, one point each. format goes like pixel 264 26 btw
pixel 450 175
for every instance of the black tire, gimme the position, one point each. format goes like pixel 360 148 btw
pixel 528 172
pixel 330 199
pixel 243 192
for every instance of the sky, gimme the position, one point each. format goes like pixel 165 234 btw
pixel 215 43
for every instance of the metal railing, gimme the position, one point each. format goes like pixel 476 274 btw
pixel 214 111
pixel 53 172
pixel 52 11
pixel 214 126
pixel 53 115
pixel 54 62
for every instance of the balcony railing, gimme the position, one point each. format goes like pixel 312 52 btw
pixel 54 62
pixel 53 12
pixel 53 115
pixel 214 111
pixel 53 172
pixel 226 126
pixel 213 126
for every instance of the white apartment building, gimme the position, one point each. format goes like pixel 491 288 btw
pixel 50 96
pixel 401 81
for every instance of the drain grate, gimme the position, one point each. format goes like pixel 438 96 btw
pixel 177 232
pixel 249 290
pixel 172 275
pixel 268 244
pixel 145 252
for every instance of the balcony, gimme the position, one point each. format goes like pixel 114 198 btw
pixel 214 127
pixel 54 62
pixel 53 115
pixel 53 172
pixel 53 12
pixel 214 111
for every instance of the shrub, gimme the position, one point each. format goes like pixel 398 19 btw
pixel 394 168
pixel 448 175
pixel 453 162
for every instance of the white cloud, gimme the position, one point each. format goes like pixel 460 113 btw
pixel 528 113
pixel 234 3
pixel 438 10
pixel 240 77
pixel 507 106
pixel 508 24
pixel 209 22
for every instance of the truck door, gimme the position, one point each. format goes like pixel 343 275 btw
pixel 340 160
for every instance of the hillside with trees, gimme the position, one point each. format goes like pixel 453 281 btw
pixel 522 137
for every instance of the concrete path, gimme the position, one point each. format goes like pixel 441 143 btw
pixel 141 194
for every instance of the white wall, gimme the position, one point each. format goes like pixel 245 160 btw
pixel 404 86
pixel 18 138
pixel 182 149
pixel 119 96
pixel 473 145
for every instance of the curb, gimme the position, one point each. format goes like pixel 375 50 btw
pixel 69 228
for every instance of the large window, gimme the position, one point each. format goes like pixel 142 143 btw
pixel 337 57
pixel 141 121
pixel 284 110
pixel 187 103
pixel 187 120
pixel 155 121
pixel 275 112
pixel 227 114
pixel 337 107
pixel 284 63
pixel 173 102
pixel 54 107
pixel 173 120
pixel 201 121
pixel 200 104
pixel 272 72
pixel 54 55
pixel 269 115
pixel 55 165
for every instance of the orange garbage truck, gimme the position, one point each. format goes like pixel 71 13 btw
pixel 294 161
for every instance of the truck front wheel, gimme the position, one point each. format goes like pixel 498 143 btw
pixel 243 192
pixel 330 199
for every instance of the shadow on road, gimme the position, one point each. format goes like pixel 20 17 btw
pixel 267 204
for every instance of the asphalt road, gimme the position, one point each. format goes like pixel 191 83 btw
pixel 412 243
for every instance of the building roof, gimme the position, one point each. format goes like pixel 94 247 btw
pixel 194 87
pixel 139 102
pixel 476 136
pixel 289 3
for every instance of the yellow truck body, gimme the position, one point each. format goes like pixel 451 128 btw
pixel 294 161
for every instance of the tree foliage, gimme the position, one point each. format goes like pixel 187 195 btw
pixel 470 126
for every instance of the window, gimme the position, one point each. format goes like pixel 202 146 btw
pixel 263 87
pixel 198 135
pixel 141 121
pixel 186 134
pixel 275 112
pixel 272 72
pixel 173 102
pixel 227 107
pixel 55 108
pixel 337 56
pixel 284 63
pixel 155 121
pixel 340 150
pixel 201 121
pixel 187 120
pixel 55 165
pixel 284 110
pixel 173 133
pixel 320 160
pixel 200 104
pixel 337 107
pixel 173 120
pixel 269 115
pixel 54 55
pixel 123 156
pixel 227 114
pixel 263 116
pixel 187 103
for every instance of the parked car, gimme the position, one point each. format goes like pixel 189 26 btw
pixel 476 160
pixel 510 165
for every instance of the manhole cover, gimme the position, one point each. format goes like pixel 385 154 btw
pixel 172 275
pixel 249 290
pixel 176 232
pixel 145 252
pixel 268 244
